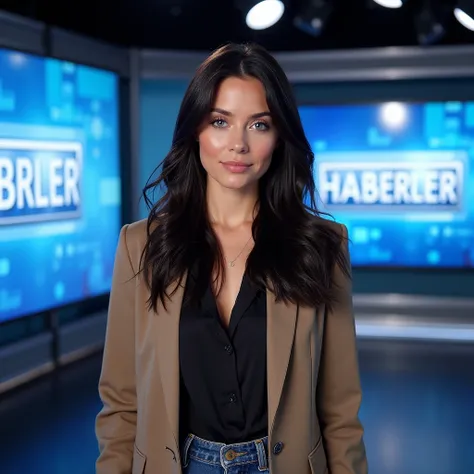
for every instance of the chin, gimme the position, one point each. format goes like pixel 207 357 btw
pixel 237 183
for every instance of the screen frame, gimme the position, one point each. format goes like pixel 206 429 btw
pixel 99 301
pixel 441 270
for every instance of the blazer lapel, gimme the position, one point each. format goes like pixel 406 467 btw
pixel 167 333
pixel 281 326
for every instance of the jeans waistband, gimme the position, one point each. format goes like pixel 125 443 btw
pixel 226 455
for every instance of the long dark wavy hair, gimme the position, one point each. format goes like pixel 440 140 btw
pixel 295 249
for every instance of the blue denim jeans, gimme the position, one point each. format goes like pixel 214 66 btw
pixel 206 457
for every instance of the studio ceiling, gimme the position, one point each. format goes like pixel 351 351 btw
pixel 205 24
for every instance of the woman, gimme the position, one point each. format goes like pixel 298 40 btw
pixel 230 345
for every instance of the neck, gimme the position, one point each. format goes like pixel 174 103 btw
pixel 230 208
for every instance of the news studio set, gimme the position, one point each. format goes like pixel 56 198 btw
pixel 89 96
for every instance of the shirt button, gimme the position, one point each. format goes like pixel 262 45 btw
pixel 278 448
pixel 228 349
pixel 233 398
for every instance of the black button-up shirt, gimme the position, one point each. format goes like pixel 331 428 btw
pixel 223 370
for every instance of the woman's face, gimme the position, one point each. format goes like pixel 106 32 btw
pixel 237 140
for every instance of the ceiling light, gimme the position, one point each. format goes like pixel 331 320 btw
pixel 260 15
pixel 430 23
pixel 313 16
pixel 389 3
pixel 464 13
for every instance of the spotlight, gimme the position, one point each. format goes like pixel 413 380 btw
pixel 464 13
pixel 429 23
pixel 261 14
pixel 390 3
pixel 313 16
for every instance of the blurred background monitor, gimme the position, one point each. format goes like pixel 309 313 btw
pixel 60 187
pixel 400 176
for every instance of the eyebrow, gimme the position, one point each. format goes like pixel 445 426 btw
pixel 229 114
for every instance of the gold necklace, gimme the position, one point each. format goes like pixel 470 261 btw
pixel 232 262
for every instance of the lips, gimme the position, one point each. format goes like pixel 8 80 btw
pixel 236 166
pixel 236 163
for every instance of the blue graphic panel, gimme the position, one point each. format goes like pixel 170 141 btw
pixel 60 198
pixel 401 177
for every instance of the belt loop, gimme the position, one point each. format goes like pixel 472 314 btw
pixel 186 446
pixel 262 455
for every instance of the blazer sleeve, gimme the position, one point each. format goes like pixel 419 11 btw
pixel 339 393
pixel 116 422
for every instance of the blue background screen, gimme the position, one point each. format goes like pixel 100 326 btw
pixel 401 177
pixel 60 189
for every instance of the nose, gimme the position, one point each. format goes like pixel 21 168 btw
pixel 238 143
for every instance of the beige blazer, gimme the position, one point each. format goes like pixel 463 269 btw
pixel 314 392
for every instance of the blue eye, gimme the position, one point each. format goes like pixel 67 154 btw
pixel 262 126
pixel 219 123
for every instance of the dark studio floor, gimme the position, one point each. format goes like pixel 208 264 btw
pixel 418 413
